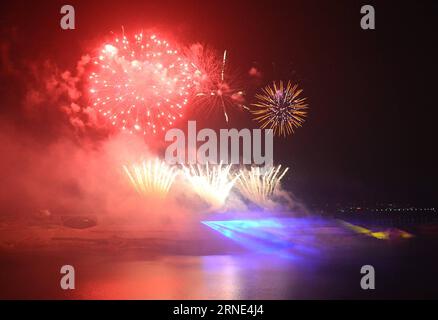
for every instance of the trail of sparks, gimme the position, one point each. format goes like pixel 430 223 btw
pixel 215 91
pixel 151 177
pixel 224 61
pixel 258 185
pixel 280 108
pixel 212 183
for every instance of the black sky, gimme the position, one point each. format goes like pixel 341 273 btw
pixel 370 135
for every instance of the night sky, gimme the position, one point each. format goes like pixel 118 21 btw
pixel 370 134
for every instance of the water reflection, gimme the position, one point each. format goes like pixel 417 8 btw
pixel 182 277
pixel 281 259
pixel 278 253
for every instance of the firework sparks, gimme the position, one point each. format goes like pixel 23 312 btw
pixel 152 177
pixel 280 108
pixel 217 90
pixel 258 185
pixel 212 183
pixel 142 84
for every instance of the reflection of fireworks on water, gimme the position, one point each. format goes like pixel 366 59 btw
pixel 280 108
pixel 211 182
pixel 258 185
pixel 141 84
pixel 217 90
pixel 152 177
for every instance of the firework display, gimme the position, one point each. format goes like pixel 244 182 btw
pixel 259 184
pixel 212 183
pixel 280 108
pixel 142 84
pixel 152 177
pixel 217 90
pixel 204 150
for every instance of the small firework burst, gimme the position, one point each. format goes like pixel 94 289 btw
pixel 259 184
pixel 217 89
pixel 151 177
pixel 212 183
pixel 280 108
pixel 141 84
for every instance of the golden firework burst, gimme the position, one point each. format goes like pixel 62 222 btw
pixel 151 177
pixel 259 184
pixel 212 183
pixel 280 108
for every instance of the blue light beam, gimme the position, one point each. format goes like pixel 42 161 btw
pixel 288 237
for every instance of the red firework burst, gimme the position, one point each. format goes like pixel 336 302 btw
pixel 142 84
pixel 217 89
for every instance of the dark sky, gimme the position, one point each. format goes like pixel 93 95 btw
pixel 370 134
